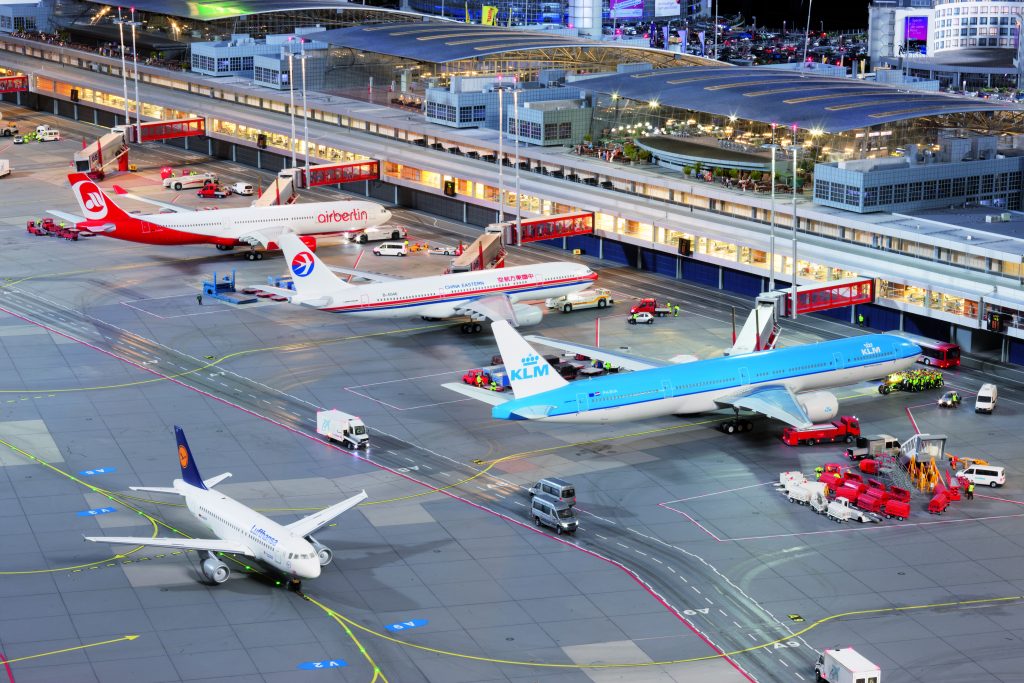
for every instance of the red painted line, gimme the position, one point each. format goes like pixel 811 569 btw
pixel 913 422
pixel 7 668
pixel 633 575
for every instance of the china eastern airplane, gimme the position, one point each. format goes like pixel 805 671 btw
pixel 785 384
pixel 483 294
pixel 240 530
pixel 255 227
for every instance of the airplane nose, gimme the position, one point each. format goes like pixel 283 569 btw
pixel 309 569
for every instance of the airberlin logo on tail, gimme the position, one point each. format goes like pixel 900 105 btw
pixel 531 369
pixel 302 264
pixel 91 198
pixel 342 216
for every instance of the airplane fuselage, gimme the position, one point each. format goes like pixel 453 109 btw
pixel 270 543
pixel 693 388
pixel 441 296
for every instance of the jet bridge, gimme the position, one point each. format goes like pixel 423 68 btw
pixel 97 158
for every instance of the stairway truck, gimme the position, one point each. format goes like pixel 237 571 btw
pixel 846 665
pixel 339 426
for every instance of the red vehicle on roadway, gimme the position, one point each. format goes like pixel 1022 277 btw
pixel 650 305
pixel 213 191
pixel 935 353
pixel 846 428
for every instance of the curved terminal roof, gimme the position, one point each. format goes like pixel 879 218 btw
pixel 210 10
pixel 451 42
pixel 785 97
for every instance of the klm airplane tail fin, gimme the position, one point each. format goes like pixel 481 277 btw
pixel 527 370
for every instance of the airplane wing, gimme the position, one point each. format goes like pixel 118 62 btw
pixel 494 307
pixel 776 402
pixel 623 360
pixel 264 236
pixel 69 217
pixel 372 277
pixel 317 520
pixel 120 191
pixel 213 544
pixel 494 398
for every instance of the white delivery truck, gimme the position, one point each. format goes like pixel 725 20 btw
pixel 5 167
pixel 845 665
pixel 339 426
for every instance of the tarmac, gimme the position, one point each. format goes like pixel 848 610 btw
pixel 688 566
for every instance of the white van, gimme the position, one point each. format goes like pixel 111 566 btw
pixel 550 511
pixel 987 398
pixel 49 135
pixel 391 249
pixel 382 232
pixel 42 128
pixel 984 475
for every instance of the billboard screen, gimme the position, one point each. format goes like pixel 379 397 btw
pixel 915 29
pixel 626 9
pixel 666 8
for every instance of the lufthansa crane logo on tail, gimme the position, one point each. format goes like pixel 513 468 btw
pixel 183 456
pixel 532 367
pixel 302 264
pixel 91 199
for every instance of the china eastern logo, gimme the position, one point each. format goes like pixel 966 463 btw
pixel 342 216
pixel 532 368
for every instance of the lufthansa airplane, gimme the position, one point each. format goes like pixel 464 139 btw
pixel 479 295
pixel 786 384
pixel 290 549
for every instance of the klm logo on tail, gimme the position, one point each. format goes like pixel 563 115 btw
pixel 532 368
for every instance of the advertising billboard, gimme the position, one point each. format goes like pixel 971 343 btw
pixel 626 9
pixel 666 8
pixel 915 34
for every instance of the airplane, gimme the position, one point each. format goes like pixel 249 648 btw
pixel 482 294
pixel 225 228
pixel 240 530
pixel 785 384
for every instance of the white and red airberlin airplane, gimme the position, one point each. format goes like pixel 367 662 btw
pixel 255 227
pixel 478 295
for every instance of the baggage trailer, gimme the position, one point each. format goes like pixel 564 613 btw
pixel 340 426
pixel 845 665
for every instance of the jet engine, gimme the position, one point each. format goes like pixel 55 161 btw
pixel 527 315
pixel 215 571
pixel 821 406
pixel 323 553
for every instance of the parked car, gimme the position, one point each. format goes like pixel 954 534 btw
pixel 244 189
pixel 638 318
pixel 390 249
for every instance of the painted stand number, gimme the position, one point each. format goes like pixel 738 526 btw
pixel 98 470
pixel 692 612
pixel 97 511
pixel 326 664
pixel 406 625
pixel 788 643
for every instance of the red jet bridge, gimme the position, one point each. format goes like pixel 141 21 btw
pixel 549 227
pixel 95 158
pixel 13 84
pixel 153 131
pixel 824 296
pixel 333 174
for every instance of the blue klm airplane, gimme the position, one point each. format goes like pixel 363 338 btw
pixel 785 384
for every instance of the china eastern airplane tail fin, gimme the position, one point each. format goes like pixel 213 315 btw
pixel 311 276
pixel 528 372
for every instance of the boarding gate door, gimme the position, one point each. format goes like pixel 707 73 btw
pixel 837 360
pixel 744 376
pixel 582 403
pixel 666 389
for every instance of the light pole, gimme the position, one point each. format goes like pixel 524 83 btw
pixel 796 221
pixel 501 152
pixel 771 238
pixel 291 99
pixel 714 34
pixel 124 68
pixel 135 69
pixel 519 201
pixel 305 109
pixel 807 34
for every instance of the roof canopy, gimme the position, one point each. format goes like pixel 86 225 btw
pixel 831 105
pixel 440 42
pixel 210 10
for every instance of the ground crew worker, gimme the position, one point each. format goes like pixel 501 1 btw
pixel 675 311
pixel 480 379
pixel 607 366
pixel 633 317
pixel 819 471
pixel 62 225
pixel 860 320
pixel 970 491
pixel 838 477
pixel 199 298
pixel 494 385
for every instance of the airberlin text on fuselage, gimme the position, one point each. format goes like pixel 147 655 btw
pixel 342 216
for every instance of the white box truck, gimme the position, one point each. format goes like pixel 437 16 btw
pixel 845 665
pixel 339 426
pixel 5 167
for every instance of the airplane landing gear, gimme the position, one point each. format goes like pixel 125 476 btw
pixel 225 247
pixel 254 255
pixel 323 553
pixel 736 425
pixel 215 571
pixel 471 328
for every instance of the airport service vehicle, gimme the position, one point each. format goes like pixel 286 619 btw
pixel 845 665
pixel 650 305
pixel 550 511
pixel 382 232
pixel 390 249
pixel 213 191
pixel 49 135
pixel 842 510
pixel 785 384
pixel 870 446
pixel 41 227
pixel 643 318
pixel 589 298
pixel 339 426
pixel 19 139
pixel 950 399
pixel 190 182
pixel 985 401
pixel 935 353
pixel 42 128
pixel 244 189
pixel 255 227
pixel 10 129
pixel 846 428
pixel 5 167
pixel 446 251
pixel 479 295
pixel 802 493
pixel 238 529
pixel 983 475
pixel 557 488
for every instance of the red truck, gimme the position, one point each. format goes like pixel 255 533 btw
pixel 650 305
pixel 213 191
pixel 846 428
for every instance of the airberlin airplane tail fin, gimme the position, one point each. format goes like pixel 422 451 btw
pixel 94 203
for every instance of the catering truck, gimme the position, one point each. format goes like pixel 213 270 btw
pixel 845 665
pixel 339 426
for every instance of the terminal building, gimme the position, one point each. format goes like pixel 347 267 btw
pixel 674 171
